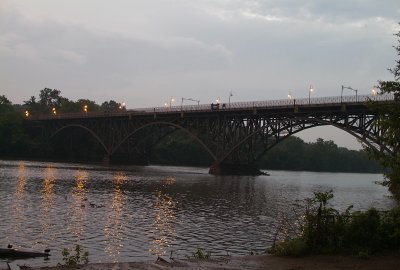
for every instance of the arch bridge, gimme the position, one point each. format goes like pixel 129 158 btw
pixel 235 135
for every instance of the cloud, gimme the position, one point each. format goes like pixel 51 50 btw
pixel 148 50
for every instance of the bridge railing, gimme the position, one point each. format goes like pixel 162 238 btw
pixel 249 105
pixel 270 103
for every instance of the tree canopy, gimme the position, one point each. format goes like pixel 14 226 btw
pixel 51 99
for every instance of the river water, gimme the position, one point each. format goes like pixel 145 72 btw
pixel 135 213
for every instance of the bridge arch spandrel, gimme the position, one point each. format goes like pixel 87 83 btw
pixel 162 123
pixel 86 129
pixel 298 124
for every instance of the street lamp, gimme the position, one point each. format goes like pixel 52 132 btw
pixel 374 90
pixel 347 87
pixel 217 100
pixel 230 95
pixel 122 106
pixel 85 108
pixel 54 110
pixel 191 99
pixel 170 102
pixel 26 113
pixel 290 95
pixel 309 93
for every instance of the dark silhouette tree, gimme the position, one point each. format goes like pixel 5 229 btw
pixel 110 106
pixel 389 121
pixel 49 99
pixel 4 100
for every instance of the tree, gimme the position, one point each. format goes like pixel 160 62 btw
pixel 11 131
pixel 50 98
pixel 32 105
pixel 110 106
pixel 4 100
pixel 5 104
pixel 389 122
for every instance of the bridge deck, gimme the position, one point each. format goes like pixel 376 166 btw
pixel 234 107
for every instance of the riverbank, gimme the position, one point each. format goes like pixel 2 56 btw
pixel 270 262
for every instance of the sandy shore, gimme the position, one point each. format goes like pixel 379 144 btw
pixel 269 262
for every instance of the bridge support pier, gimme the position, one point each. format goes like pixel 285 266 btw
pixel 227 168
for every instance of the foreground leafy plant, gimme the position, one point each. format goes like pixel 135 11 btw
pixel 201 254
pixel 80 256
pixel 323 229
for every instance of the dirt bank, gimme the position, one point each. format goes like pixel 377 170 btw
pixel 384 262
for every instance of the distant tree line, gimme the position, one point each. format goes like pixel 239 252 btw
pixel 321 156
pixel 51 99
pixel 291 154
pixel 15 143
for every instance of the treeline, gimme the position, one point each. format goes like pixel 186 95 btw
pixel 321 156
pixel 291 154
pixel 50 100
pixel 14 143
pixel 175 149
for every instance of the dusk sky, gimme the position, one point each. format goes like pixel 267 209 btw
pixel 143 52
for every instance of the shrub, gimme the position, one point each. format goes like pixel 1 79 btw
pixel 324 229
pixel 77 258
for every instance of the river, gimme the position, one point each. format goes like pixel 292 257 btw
pixel 134 213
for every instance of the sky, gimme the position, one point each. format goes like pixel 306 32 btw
pixel 146 52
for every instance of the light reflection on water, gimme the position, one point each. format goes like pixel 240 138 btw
pixel 137 213
pixel 114 227
pixel 163 233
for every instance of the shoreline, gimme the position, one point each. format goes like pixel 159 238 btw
pixel 266 261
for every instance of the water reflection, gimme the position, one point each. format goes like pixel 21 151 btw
pixel 114 226
pixel 19 204
pixel 78 205
pixel 164 216
pixel 123 214
pixel 47 207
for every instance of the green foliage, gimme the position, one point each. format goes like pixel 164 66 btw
pixel 291 154
pixel 111 106
pixel 201 254
pixel 12 138
pixel 80 256
pixel 4 100
pixel 294 154
pixel 389 115
pixel 291 247
pixel 180 149
pixel 325 230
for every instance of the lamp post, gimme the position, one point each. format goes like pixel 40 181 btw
pixel 26 113
pixel 170 102
pixel 374 90
pixel 230 95
pixel 309 93
pixel 191 99
pixel 85 108
pixel 347 87
pixel 122 106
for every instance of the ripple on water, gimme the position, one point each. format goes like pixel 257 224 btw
pixel 135 213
